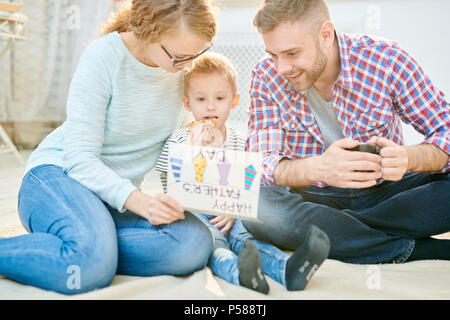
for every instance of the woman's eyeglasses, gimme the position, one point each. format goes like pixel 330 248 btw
pixel 176 62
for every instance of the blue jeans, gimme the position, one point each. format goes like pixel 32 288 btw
pixel 76 243
pixel 373 225
pixel 224 260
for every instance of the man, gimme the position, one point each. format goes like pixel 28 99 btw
pixel 320 93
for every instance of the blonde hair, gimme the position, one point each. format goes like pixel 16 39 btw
pixel 149 20
pixel 273 12
pixel 210 63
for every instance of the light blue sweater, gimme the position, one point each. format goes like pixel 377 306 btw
pixel 119 114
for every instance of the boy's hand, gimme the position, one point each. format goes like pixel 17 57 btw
pixel 198 134
pixel 214 138
pixel 204 134
pixel 220 221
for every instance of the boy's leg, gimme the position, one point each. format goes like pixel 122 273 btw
pixel 224 263
pixel 273 260
pixel 250 271
pixel 293 271
pixel 72 244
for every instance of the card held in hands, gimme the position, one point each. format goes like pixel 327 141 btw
pixel 215 181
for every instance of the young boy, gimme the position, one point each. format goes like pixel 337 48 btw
pixel 210 94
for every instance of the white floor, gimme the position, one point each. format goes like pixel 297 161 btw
pixel 11 172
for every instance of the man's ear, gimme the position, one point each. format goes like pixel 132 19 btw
pixel 237 97
pixel 187 106
pixel 326 34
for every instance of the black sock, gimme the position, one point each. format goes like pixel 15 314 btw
pixel 430 249
pixel 249 265
pixel 306 259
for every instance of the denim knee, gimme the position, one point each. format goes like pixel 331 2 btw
pixel 91 264
pixel 195 245
pixel 275 202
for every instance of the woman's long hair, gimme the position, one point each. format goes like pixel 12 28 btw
pixel 151 19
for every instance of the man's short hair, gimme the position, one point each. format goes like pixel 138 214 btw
pixel 274 12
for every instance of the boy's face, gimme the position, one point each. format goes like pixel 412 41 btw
pixel 210 96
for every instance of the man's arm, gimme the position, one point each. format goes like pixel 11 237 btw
pixel 419 103
pixel 295 173
pixel 426 158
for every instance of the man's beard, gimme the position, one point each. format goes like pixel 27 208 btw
pixel 311 76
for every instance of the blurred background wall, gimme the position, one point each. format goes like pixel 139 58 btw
pixel 421 27
pixel 35 75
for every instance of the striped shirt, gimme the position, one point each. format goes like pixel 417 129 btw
pixel 379 85
pixel 234 141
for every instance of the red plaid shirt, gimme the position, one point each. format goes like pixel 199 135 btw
pixel 379 85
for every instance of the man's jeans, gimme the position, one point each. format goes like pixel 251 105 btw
pixel 373 225
pixel 224 260
pixel 76 243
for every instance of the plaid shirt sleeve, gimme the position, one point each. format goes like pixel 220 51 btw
pixel 418 102
pixel 265 133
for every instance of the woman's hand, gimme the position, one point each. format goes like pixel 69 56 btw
pixel 220 221
pixel 161 209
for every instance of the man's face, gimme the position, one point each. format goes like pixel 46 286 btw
pixel 297 53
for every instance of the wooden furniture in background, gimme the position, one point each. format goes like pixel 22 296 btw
pixel 12 27
pixel 10 6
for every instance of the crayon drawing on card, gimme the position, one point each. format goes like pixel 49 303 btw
pixel 215 181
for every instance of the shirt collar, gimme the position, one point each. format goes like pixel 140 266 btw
pixel 345 76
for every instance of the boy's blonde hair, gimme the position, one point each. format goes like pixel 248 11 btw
pixel 149 20
pixel 209 63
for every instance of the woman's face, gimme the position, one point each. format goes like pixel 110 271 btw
pixel 183 46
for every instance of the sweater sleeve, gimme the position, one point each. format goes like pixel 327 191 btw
pixel 89 96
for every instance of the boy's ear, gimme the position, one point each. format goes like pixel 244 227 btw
pixel 186 103
pixel 237 97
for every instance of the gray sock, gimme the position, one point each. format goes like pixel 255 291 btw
pixel 250 272
pixel 306 259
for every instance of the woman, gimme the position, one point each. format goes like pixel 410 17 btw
pixel 80 199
